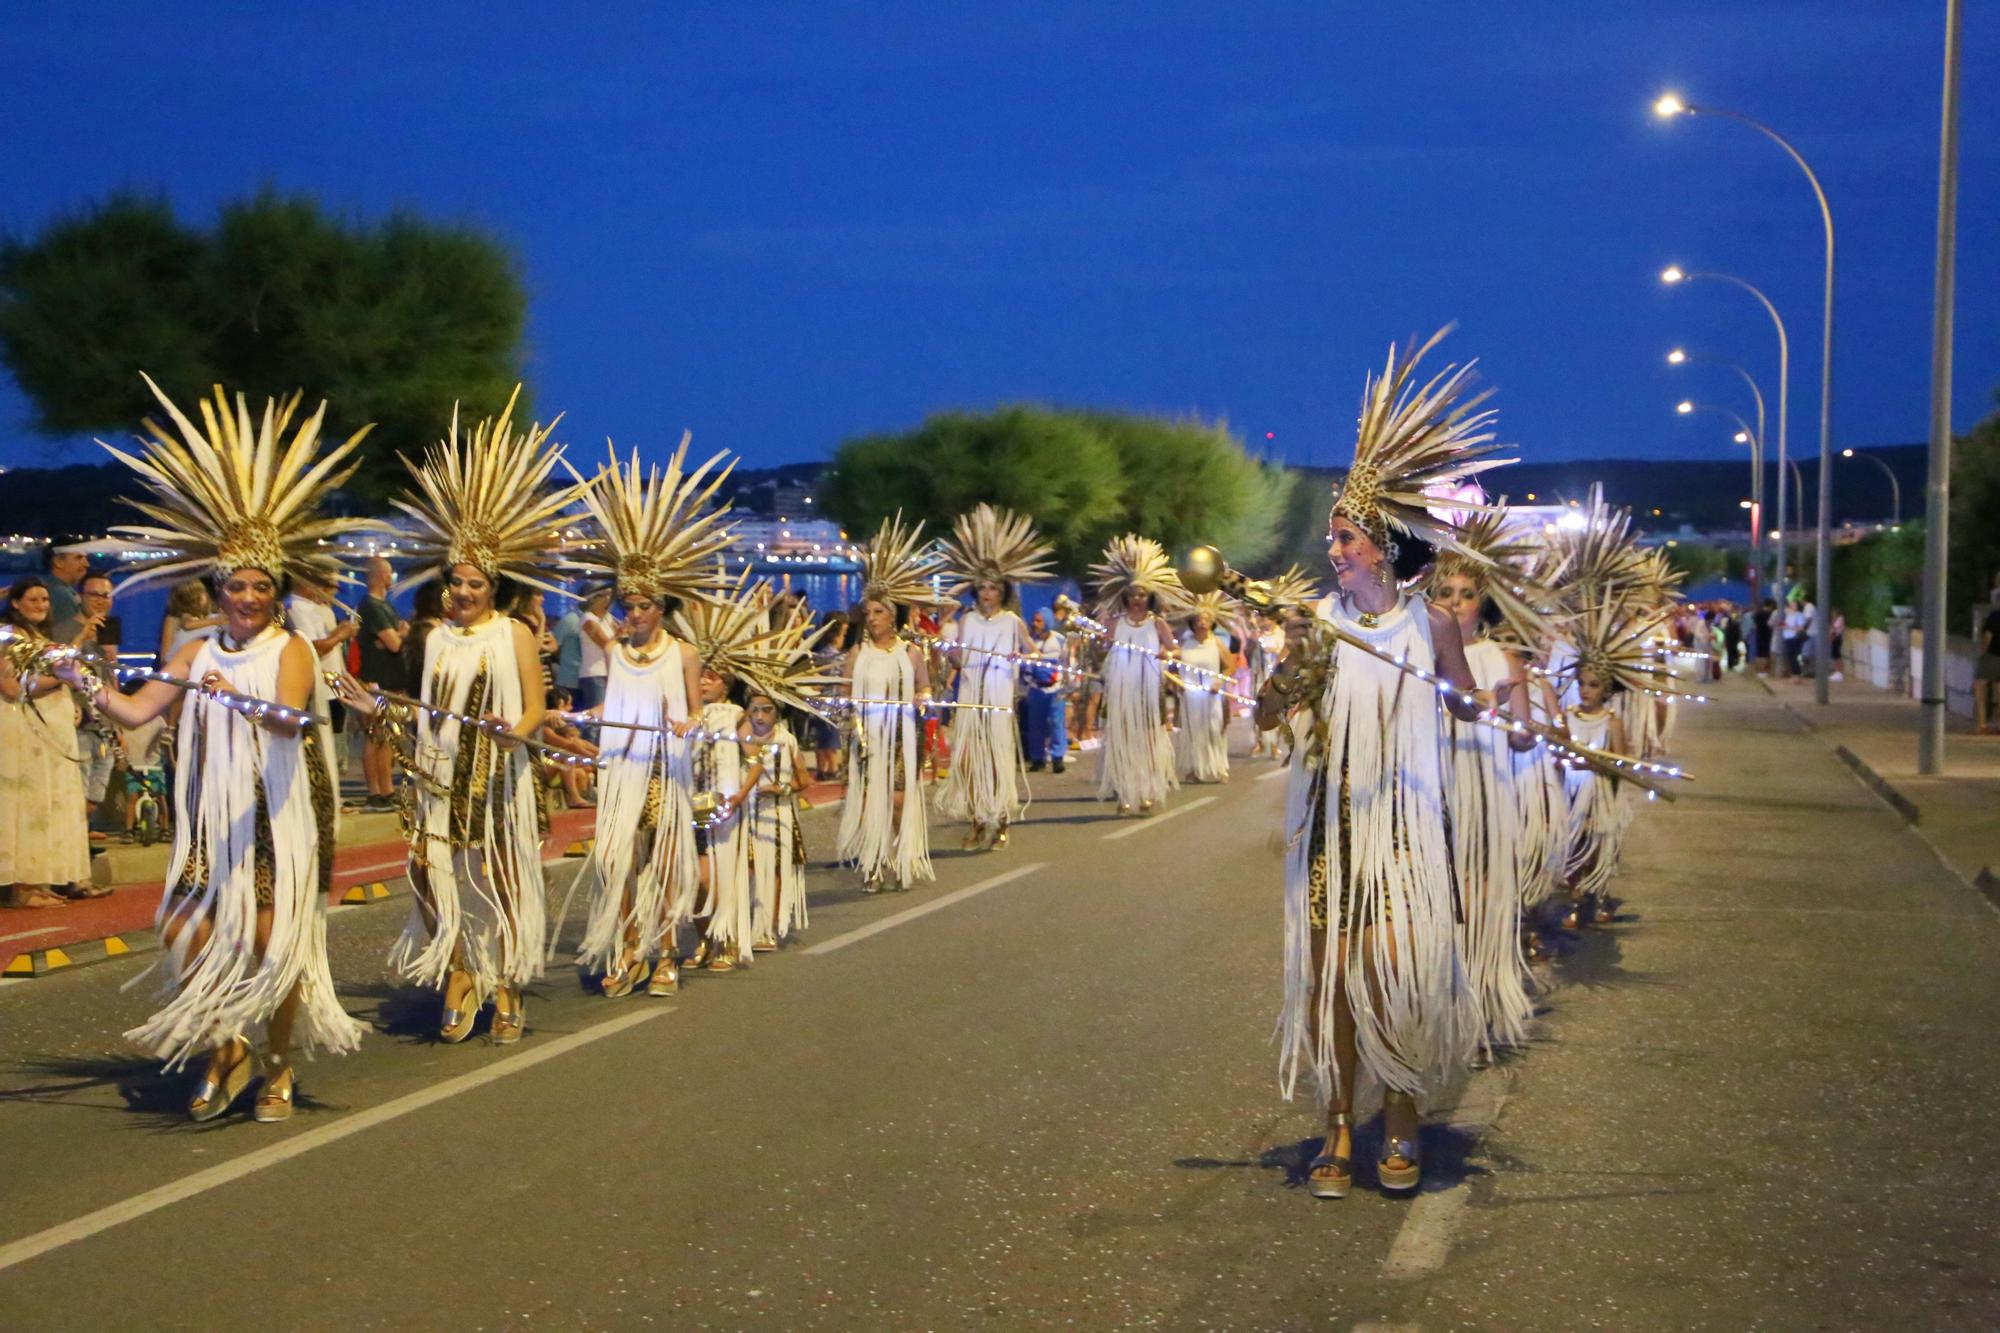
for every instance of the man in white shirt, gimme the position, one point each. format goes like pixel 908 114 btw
pixel 600 631
pixel 1044 706
pixel 309 614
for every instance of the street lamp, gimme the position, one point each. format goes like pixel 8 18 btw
pixel 1895 487
pixel 1744 435
pixel 1667 107
pixel 1673 275
pixel 1679 357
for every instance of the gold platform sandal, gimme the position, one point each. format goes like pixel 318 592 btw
pixel 510 1017
pixel 460 1014
pixel 274 1099
pixel 222 1082
pixel 666 977
pixel 1329 1176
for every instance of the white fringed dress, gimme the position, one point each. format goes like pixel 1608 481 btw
pixel 254 820
pixel 1201 742
pixel 642 870
pixel 985 785
pixel 718 767
pixel 1598 811
pixel 883 757
pixel 777 850
pixel 477 845
pixel 1488 853
pixel 1368 861
pixel 1135 765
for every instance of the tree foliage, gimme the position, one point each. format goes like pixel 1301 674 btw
pixel 1085 476
pixel 1882 570
pixel 1974 535
pixel 390 322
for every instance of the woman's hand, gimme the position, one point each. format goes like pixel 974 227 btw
pixel 353 694
pixel 216 683
pixel 500 729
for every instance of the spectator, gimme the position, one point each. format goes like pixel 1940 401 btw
pixel 44 834
pixel 309 612
pixel 143 749
pixel 1986 673
pixel 426 614
pixel 1836 633
pixel 1732 637
pixel 190 615
pixel 66 565
pixel 1796 627
pixel 600 631
pixel 568 634
pixel 98 633
pixel 1044 710
pixel 1761 633
pixel 381 637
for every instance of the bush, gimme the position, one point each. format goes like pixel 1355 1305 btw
pixel 1881 570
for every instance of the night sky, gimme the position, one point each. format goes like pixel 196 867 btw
pixel 780 226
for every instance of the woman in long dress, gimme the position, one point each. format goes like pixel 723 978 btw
pixel 659 537
pixel 1374 981
pixel 243 919
pixel 883 833
pixel 44 831
pixel 1135 765
pixel 776 842
pixel 1205 668
pixel 992 552
pixel 487 523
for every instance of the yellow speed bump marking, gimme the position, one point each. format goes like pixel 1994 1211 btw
pixel 21 965
pixel 54 959
pixel 113 946
pixel 581 847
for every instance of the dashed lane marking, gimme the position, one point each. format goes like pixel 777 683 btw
pixel 1154 821
pixel 1277 772
pixel 905 917
pixel 201 1182
pixel 1423 1242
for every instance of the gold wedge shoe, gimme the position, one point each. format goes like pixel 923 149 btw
pixel 222 1082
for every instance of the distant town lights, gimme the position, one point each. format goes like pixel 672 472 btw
pixel 1847 453
pixel 1742 437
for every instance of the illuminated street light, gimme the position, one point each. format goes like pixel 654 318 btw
pixel 1684 407
pixel 1672 274
pixel 1895 486
pixel 1668 107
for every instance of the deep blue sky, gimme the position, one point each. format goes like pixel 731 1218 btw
pixel 783 225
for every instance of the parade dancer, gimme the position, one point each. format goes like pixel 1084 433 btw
pixel 486 523
pixel 659 537
pixel 883 834
pixel 1490 768
pixel 1612 660
pixel 1205 669
pixel 747 655
pixel 1136 590
pixel 1374 985
pixel 243 919
pixel 991 553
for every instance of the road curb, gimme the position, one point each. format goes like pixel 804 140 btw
pixel 81 953
pixel 1880 785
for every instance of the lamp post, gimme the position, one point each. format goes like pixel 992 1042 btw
pixel 1680 357
pixel 1673 275
pixel 1667 108
pixel 1937 483
pixel 1895 487
pixel 1744 435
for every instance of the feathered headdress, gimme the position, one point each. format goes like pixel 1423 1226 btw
pixel 1612 639
pixel 996 545
pixel 485 501
pixel 1220 609
pixel 1594 559
pixel 731 635
pixel 1292 588
pixel 1135 562
pixel 1658 583
pixel 1505 566
pixel 898 567
pixel 657 536
pixel 1412 439
pixel 230 494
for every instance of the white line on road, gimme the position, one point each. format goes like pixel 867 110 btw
pixel 24 934
pixel 1424 1240
pixel 1160 818
pixel 1277 772
pixel 90 1224
pixel 900 918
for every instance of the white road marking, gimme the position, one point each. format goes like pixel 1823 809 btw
pixel 1152 821
pixel 24 934
pixel 201 1182
pixel 1423 1242
pixel 1277 772
pixel 925 909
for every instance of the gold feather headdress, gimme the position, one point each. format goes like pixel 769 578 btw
pixel 1658 583
pixel 1595 559
pixel 1292 588
pixel 898 566
pixel 485 501
pixel 657 534
pixel 1413 438
pixel 1507 566
pixel 231 494
pixel 732 636
pixel 1222 610
pixel 1135 562
pixel 996 545
pixel 1612 639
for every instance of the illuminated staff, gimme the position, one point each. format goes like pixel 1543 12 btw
pixel 700 734
pixel 41 657
pixel 498 731
pixel 1555 678
pixel 932 641
pixel 1176 671
pixel 858 705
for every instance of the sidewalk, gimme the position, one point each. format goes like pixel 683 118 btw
pixel 371 855
pixel 1875 733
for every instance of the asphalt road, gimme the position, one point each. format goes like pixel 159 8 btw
pixel 1762 1100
